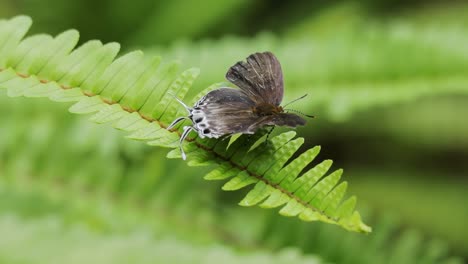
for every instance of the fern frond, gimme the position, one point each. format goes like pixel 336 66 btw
pixel 132 93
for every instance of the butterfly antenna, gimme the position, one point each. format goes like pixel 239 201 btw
pixel 180 101
pixel 299 112
pixel 297 99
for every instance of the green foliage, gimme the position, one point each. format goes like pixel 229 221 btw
pixel 57 169
pixel 48 242
pixel 350 66
pixel 187 24
pixel 392 76
pixel 132 93
pixel 386 245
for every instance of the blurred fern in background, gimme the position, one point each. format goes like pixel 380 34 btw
pixel 388 81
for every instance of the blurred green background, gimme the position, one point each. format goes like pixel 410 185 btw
pixel 388 81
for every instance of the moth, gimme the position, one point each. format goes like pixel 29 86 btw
pixel 256 104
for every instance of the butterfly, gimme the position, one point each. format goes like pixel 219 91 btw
pixel 227 111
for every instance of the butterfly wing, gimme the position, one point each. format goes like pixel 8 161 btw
pixel 224 111
pixel 260 78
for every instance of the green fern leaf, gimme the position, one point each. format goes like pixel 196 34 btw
pixel 132 93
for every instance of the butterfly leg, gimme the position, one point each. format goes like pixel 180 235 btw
pixel 175 122
pixel 269 133
pixel 248 140
pixel 224 137
pixel 187 130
